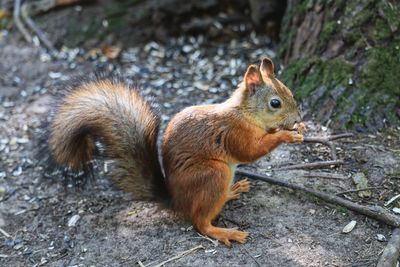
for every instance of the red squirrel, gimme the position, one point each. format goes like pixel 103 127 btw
pixel 201 146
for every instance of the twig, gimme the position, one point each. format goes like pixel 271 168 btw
pixel 392 251
pixel 358 190
pixel 213 241
pixel 248 253
pixel 327 138
pixel 5 233
pixel 392 200
pixel 312 165
pixel 39 33
pixel 140 264
pixel 375 212
pixel 18 22
pixel 180 255
pixel 328 141
pixel 325 175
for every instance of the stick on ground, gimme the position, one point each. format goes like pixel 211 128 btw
pixel 18 22
pixel 325 175
pixel 312 165
pixel 374 212
pixel 392 251
pixel 180 255
pixel 39 33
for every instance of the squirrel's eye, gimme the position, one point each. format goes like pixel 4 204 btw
pixel 275 103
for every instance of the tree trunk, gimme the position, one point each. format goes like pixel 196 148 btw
pixel 342 59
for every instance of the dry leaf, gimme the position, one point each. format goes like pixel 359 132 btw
pixel 111 52
pixel 349 227
pixel 361 182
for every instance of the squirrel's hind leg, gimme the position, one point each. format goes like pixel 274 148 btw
pixel 213 191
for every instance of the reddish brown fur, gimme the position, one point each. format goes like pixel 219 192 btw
pixel 201 144
pixel 201 147
pixel 123 121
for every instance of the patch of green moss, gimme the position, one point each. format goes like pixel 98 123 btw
pixel 380 78
pixel 391 13
pixel 382 30
pixel 382 70
pixel 328 30
pixel 364 16
pixel 306 75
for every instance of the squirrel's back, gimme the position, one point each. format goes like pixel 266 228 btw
pixel 125 125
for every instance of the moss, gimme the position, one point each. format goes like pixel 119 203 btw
pixel 305 75
pixel 382 70
pixel 382 30
pixel 365 15
pixel 328 30
pixel 391 14
pixel 380 79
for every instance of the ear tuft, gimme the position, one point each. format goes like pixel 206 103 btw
pixel 267 67
pixel 252 79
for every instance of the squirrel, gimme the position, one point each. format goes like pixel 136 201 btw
pixel 201 146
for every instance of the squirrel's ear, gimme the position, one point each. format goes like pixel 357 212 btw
pixel 252 79
pixel 267 67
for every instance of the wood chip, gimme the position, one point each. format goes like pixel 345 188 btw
pixel 392 200
pixel 73 220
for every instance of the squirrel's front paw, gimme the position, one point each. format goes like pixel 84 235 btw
pixel 292 137
pixel 301 128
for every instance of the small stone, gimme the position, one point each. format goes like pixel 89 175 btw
pixel 380 238
pixel 349 227
pixel 55 75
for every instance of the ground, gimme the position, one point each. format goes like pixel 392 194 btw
pixel 286 228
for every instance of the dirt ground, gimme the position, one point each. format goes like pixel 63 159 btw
pixel 286 228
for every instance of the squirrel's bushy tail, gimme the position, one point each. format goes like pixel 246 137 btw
pixel 116 117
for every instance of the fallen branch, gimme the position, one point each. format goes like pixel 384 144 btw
pixel 40 6
pixel 312 165
pixel 328 141
pixel 213 241
pixel 325 175
pixel 374 212
pixel 39 33
pixel 392 251
pixel 180 255
pixel 248 253
pixel 18 22
pixel 327 138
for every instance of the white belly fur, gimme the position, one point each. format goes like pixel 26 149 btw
pixel 232 167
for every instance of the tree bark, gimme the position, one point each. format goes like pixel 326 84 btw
pixel 341 59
